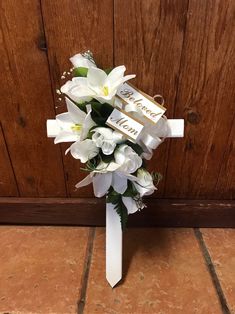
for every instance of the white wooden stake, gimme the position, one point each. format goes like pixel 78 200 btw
pixel 113 246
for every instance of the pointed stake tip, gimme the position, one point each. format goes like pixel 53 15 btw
pixel 113 283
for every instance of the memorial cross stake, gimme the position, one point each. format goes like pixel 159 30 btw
pixel 113 226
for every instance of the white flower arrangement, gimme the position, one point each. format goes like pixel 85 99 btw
pixel 112 127
pixel 114 160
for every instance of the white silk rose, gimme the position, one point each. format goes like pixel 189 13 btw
pixel 127 158
pixel 144 185
pixel 79 60
pixel 106 139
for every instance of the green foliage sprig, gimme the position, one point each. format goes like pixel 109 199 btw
pixel 116 199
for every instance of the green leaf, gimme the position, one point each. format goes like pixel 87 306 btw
pixel 131 190
pixel 112 196
pixel 137 148
pixel 106 158
pixel 82 106
pixel 123 213
pixel 90 133
pixel 116 199
pixel 100 112
pixel 107 71
pixel 81 71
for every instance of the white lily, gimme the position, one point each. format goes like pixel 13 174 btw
pixel 105 177
pixel 96 85
pixel 105 86
pixel 102 182
pixel 74 124
pixel 79 60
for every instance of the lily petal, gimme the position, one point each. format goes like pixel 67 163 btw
pixel 64 121
pixel 76 114
pixel 123 80
pixel 119 183
pixel 130 204
pixel 96 79
pixel 65 136
pixel 101 183
pixel 115 75
pixel 87 180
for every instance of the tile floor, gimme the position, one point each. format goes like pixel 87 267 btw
pixel 61 270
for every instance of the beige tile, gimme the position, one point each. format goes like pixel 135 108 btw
pixel 41 269
pixel 165 274
pixel 221 246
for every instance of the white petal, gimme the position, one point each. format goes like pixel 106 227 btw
pixel 101 183
pixel 108 147
pixel 88 123
pixel 108 99
pixel 117 137
pixel 115 75
pixel 123 80
pixel 113 166
pixel 84 150
pixel 120 155
pixel 78 90
pixel 82 83
pixel 65 136
pixel 96 79
pixel 119 183
pixel 66 87
pixel 130 204
pixel 65 121
pixel 87 180
pixel 76 114
pixel 79 61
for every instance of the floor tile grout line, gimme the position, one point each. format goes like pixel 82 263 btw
pixel 212 271
pixel 86 270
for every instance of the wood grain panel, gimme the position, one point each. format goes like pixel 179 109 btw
pixel 205 99
pixel 26 100
pixel 148 40
pixel 8 186
pixel 91 212
pixel 225 186
pixel 79 25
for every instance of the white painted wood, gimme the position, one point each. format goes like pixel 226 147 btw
pixel 113 246
pixel 52 128
pixel 176 127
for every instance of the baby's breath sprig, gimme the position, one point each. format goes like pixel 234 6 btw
pixel 89 56
pixel 157 177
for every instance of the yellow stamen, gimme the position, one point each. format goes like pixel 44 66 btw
pixel 105 90
pixel 76 127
